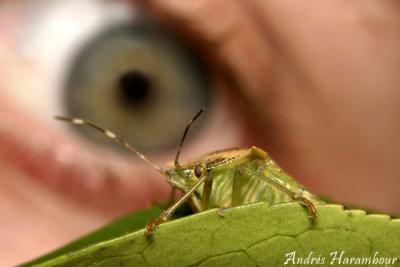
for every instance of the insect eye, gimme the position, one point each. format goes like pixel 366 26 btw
pixel 198 170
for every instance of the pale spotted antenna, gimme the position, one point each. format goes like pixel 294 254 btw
pixel 113 136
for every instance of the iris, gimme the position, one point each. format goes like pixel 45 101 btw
pixel 140 81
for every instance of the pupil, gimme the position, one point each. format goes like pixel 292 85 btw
pixel 134 87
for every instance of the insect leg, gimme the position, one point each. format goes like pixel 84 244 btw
pixel 221 212
pixel 166 215
pixel 312 211
pixel 239 180
pixel 297 196
pixel 205 196
pixel 172 195
pixel 235 196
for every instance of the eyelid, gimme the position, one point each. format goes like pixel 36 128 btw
pixel 229 38
pixel 189 17
pixel 215 28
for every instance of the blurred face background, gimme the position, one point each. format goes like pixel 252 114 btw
pixel 316 85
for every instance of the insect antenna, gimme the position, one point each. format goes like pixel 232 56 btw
pixel 184 135
pixel 112 136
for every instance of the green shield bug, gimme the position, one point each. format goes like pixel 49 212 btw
pixel 222 179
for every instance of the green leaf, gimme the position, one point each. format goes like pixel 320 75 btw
pixel 253 235
pixel 132 222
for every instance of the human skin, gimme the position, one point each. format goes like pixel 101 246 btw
pixel 318 87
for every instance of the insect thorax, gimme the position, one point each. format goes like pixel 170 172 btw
pixel 249 177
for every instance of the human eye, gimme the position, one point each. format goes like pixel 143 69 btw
pixel 80 59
